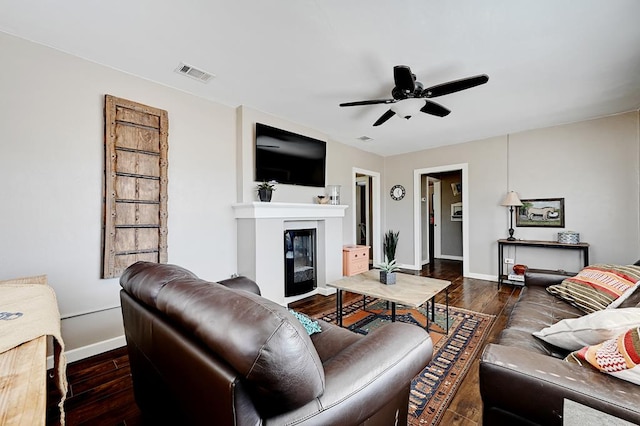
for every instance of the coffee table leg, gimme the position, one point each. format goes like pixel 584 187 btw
pixel 427 315
pixel 446 309
pixel 339 307
pixel 433 309
pixel 393 311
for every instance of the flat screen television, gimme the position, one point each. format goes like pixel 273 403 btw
pixel 289 158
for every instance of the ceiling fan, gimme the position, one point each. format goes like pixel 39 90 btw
pixel 408 88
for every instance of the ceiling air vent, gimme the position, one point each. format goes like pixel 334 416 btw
pixel 194 72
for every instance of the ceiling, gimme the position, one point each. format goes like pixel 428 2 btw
pixel 549 61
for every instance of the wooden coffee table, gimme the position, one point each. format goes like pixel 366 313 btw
pixel 409 290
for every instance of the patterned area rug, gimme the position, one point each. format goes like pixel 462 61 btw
pixel 433 389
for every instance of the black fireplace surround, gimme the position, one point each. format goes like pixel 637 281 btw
pixel 299 261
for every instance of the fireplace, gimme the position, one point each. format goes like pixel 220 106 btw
pixel 299 261
pixel 260 244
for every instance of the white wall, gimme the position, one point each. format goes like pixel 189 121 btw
pixel 51 167
pixel 594 165
pixel 341 159
pixel 51 181
pixel 486 169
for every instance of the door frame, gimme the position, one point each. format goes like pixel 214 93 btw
pixel 363 181
pixel 424 234
pixel 437 218
pixel 417 246
pixel 375 209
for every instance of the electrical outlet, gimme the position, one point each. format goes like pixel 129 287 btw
pixel 508 261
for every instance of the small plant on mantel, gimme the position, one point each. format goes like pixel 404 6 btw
pixel 271 185
pixel 265 190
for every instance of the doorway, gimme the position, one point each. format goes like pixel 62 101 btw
pixel 431 218
pixel 366 214
pixel 440 207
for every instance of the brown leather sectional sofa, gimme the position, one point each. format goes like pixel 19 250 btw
pixel 219 354
pixel 524 381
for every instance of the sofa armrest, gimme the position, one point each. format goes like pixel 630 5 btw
pixel 543 278
pixel 521 385
pixel 366 375
pixel 241 283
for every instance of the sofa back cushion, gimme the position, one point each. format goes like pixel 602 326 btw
pixel 144 280
pixel 258 338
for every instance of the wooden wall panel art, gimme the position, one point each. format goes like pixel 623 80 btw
pixel 135 201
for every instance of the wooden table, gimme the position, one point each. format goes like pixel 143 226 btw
pixel 23 384
pixel 410 290
pixel 581 247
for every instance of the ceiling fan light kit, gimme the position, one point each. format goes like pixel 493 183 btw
pixel 406 87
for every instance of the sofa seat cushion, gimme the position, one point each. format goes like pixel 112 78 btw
pixel 535 310
pixel 332 340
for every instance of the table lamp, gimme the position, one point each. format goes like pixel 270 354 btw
pixel 511 200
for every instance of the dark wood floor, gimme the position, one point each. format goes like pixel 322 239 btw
pixel 100 387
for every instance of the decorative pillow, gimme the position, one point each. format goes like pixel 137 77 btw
pixel 575 333
pixel 598 287
pixel 619 356
pixel 310 325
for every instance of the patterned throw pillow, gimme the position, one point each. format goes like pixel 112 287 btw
pixel 598 287
pixel 310 325
pixel 619 356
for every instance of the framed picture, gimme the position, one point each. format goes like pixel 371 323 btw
pixel 456 188
pixel 541 212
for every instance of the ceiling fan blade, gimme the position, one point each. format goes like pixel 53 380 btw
pixel 454 86
pixel 404 78
pixel 387 115
pixel 434 109
pixel 371 102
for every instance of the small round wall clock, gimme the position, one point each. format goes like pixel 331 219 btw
pixel 398 192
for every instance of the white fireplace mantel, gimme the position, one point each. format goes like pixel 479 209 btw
pixel 260 228
pixel 259 210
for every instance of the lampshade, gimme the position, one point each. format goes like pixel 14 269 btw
pixel 511 199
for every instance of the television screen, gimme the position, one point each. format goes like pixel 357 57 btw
pixel 288 157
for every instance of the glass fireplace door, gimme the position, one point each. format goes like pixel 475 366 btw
pixel 300 261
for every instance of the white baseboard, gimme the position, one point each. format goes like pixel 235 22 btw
pixel 410 267
pixel 91 350
pixel 482 277
pixel 449 257
pixel 326 291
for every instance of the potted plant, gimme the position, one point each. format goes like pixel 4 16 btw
pixel 388 272
pixel 265 190
pixel 389 245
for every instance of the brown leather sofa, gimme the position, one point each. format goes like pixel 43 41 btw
pixel 219 353
pixel 524 381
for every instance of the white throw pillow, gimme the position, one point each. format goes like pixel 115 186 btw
pixel 575 333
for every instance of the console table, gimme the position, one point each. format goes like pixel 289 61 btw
pixel 580 247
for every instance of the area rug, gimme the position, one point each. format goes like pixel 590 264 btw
pixel 433 389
